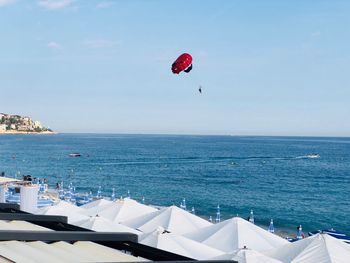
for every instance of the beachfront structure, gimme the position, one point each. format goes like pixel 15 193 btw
pixel 5 182
pixel 94 207
pixel 121 210
pixel 36 238
pixel 314 249
pixel 166 228
pixel 338 235
pixel 101 224
pixel 171 229
pixel 236 233
pixel 178 244
pixel 245 255
pixel 63 208
pixel 30 238
pixel 172 219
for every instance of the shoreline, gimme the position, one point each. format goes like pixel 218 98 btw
pixel 24 132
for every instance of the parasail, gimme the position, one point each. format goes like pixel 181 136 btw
pixel 182 63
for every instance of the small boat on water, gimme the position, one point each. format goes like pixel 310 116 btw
pixel 339 235
pixel 313 155
pixel 74 155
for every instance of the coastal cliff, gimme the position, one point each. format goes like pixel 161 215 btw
pixel 16 124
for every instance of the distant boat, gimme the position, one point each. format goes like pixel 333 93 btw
pixel 313 155
pixel 74 155
pixel 333 233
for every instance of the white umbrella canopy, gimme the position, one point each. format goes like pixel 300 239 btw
pixel 63 205
pixel 97 203
pixel 179 245
pixel 245 255
pixel 94 207
pixel 125 209
pixel 236 233
pixel 63 208
pixel 320 248
pixel 172 219
pixel 101 224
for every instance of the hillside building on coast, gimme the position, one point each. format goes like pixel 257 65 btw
pixel 20 124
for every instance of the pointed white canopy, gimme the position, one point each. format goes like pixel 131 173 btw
pixel 98 223
pixel 247 256
pixel 236 233
pixel 320 248
pixel 63 205
pixel 179 245
pixel 97 204
pixel 172 219
pixel 63 208
pixel 124 209
pixel 95 207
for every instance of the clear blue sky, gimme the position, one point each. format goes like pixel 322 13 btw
pixel 266 67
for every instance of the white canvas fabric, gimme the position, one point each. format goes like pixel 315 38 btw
pixel 172 219
pixel 320 248
pixel 64 205
pixel 97 203
pixel 94 207
pixel 63 208
pixel 236 233
pixel 179 245
pixel 125 209
pixel 101 224
pixel 247 256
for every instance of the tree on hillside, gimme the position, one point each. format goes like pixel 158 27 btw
pixel 13 120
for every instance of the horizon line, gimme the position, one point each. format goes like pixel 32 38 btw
pixel 201 134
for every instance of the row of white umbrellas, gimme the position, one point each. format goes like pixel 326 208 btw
pixel 178 231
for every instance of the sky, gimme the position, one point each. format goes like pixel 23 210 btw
pixel 266 67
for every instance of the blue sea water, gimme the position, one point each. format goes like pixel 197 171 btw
pixel 271 175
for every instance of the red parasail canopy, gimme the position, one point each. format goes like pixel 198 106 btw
pixel 182 63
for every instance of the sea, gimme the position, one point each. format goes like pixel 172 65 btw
pixel 276 177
